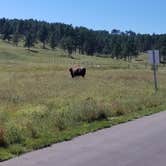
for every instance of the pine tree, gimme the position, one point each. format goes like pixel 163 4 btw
pixel 29 41
pixel 15 39
pixel 43 35
pixel 67 44
pixel 53 42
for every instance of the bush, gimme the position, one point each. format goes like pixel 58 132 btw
pixel 90 110
pixel 4 155
pixel 16 149
pixel 4 116
pixel 2 142
pixel 117 109
pixel 13 134
pixel 61 119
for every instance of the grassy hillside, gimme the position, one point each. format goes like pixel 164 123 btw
pixel 40 103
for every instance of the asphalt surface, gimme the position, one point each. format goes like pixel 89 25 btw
pixel 138 143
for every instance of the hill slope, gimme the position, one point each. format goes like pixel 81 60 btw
pixel 40 103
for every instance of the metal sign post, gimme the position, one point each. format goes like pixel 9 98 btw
pixel 154 60
pixel 155 71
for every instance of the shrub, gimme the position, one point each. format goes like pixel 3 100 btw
pixel 16 149
pixel 4 155
pixel 61 119
pixel 4 116
pixel 90 110
pixel 2 142
pixel 13 134
pixel 118 109
pixel 33 130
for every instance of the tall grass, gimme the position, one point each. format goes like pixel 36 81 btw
pixel 39 99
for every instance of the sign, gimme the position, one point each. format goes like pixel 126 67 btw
pixel 154 58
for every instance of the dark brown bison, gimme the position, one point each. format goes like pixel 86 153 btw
pixel 78 71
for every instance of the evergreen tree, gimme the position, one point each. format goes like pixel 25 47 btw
pixel 43 35
pixel 53 41
pixel 29 41
pixel 15 39
pixel 67 44
pixel 7 31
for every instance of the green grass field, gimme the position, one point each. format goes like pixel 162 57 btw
pixel 41 104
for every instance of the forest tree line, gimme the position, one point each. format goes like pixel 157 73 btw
pixel 115 44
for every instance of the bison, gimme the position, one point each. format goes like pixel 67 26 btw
pixel 78 71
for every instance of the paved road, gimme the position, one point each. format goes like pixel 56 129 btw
pixel 138 143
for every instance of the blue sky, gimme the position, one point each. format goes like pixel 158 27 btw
pixel 141 16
